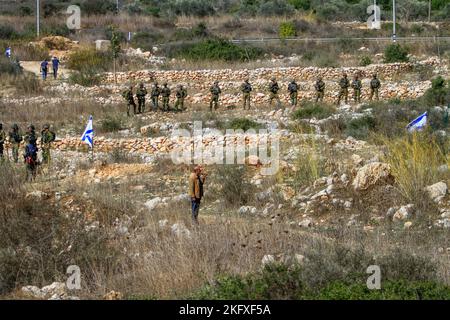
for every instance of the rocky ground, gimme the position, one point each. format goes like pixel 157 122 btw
pixel 356 188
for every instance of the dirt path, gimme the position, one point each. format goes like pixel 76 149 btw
pixel 34 67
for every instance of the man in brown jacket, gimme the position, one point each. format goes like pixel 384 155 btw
pixel 196 181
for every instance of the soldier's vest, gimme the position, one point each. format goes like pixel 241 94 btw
pixel 357 85
pixel 344 83
pixel 165 92
pixel 246 88
pixel 215 90
pixel 320 86
pixel 375 83
pixel 293 87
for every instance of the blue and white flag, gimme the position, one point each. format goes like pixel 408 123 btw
pixel 8 52
pixel 88 135
pixel 419 123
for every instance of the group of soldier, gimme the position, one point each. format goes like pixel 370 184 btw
pixel 156 92
pixel 30 138
pixel 246 89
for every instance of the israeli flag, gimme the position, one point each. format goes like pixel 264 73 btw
pixel 419 123
pixel 8 52
pixel 88 135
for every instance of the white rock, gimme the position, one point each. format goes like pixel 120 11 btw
pixel 306 223
pixel 153 203
pixel 437 190
pixel 371 174
pixel 163 223
pixel 403 213
pixel 267 259
pixel 180 230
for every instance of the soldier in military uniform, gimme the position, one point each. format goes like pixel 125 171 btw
pixel 246 88
pixel 293 92
pixel 156 91
pixel 47 137
pixel 165 93
pixel 215 92
pixel 273 89
pixel 374 87
pixel 2 140
pixel 357 86
pixel 320 89
pixel 141 92
pixel 128 96
pixel 181 94
pixel 344 84
pixel 15 138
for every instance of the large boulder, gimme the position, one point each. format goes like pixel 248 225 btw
pixel 371 175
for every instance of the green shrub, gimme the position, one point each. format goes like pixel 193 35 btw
pixel 98 7
pixel 9 66
pixel 7 32
pixel 438 94
pixel 360 128
pixel 312 110
pixel 287 30
pixel 365 61
pixel 300 4
pixel 86 78
pixel 111 124
pixel 395 53
pixel 236 190
pixel 217 49
pixel 244 124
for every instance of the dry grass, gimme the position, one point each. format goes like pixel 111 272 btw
pixel 414 160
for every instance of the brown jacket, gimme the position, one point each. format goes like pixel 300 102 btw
pixel 194 185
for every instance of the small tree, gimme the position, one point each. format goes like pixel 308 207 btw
pixel 287 30
pixel 395 53
pixel 115 49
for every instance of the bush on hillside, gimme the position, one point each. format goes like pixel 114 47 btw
pixel 89 60
pixel 287 30
pixel 218 49
pixel 312 110
pixel 396 53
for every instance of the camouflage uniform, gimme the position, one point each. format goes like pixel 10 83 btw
pixel 15 138
pixel 141 92
pixel 181 95
pixel 273 89
pixel 374 87
pixel 156 91
pixel 357 86
pixel 47 137
pixel 2 140
pixel 246 88
pixel 320 89
pixel 128 96
pixel 293 92
pixel 344 83
pixel 215 92
pixel 165 93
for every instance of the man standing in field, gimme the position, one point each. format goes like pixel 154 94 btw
pixel 344 84
pixel 128 96
pixel 47 137
pixel 156 91
pixel 273 90
pixel 374 87
pixel 15 138
pixel 181 94
pixel 196 182
pixel 165 93
pixel 215 93
pixel 357 86
pixel 141 92
pixel 44 69
pixel 320 89
pixel 55 65
pixel 293 92
pixel 246 88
